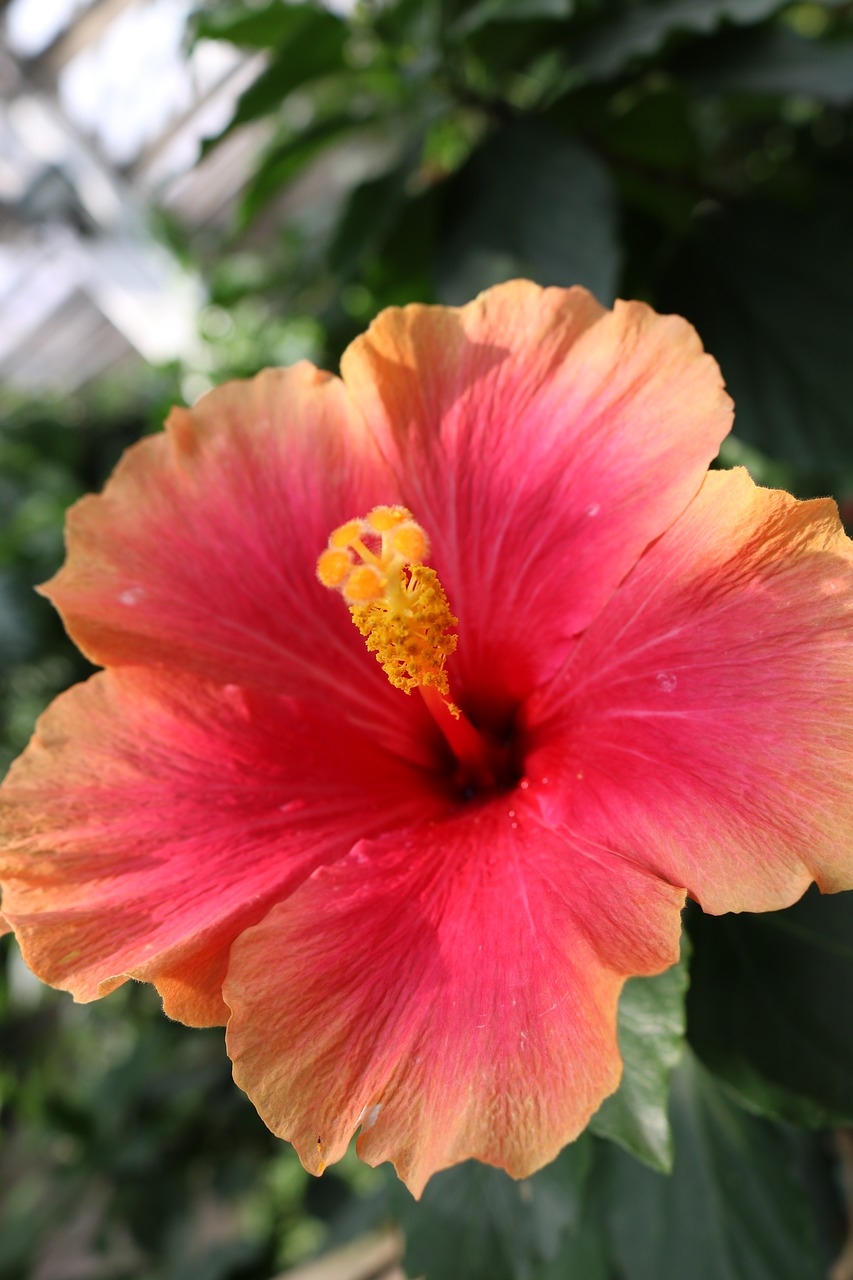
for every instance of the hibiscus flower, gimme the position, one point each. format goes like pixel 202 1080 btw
pixel 414 887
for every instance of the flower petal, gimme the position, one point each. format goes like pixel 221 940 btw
pixel 201 552
pixel 704 726
pixel 543 442
pixel 153 818
pixel 452 991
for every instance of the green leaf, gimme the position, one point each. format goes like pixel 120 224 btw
pixel 771 293
pixel 769 1007
pixel 266 27
pixel 640 31
pixel 283 162
pixel 309 44
pixel 563 230
pixel 476 1223
pixel 651 143
pixel 370 213
pixel 776 60
pixel 736 1206
pixel 315 49
pixel 16 628
pixel 487 11
pixel 651 1038
pixel 654 132
pixel 581 1256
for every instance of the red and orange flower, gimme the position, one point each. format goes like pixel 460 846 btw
pixel 616 678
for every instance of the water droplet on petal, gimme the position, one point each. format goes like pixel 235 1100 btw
pixel 666 681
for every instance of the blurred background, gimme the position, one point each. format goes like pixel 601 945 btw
pixel 191 192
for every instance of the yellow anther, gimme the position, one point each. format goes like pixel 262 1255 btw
pixel 333 566
pixel 364 583
pixel 397 603
pixel 381 519
pixel 409 541
pixel 346 534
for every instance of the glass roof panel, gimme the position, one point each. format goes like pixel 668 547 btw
pixel 33 25
pixel 128 86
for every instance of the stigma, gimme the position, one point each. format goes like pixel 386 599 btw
pixel 396 601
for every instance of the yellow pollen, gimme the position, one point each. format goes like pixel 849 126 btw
pixel 410 542
pixel 333 566
pixel 344 536
pixel 364 583
pixel 381 519
pixel 397 603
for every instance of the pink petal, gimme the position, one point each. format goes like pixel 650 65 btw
pixel 154 818
pixel 452 990
pixel 201 552
pixel 704 725
pixel 543 442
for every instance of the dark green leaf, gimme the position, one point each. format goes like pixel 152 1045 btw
pixel 309 46
pixel 283 162
pixel 562 232
pixel 652 146
pixel 370 214
pixel 476 1223
pixel 775 60
pixel 480 15
pixel 651 1038
pixel 640 31
pixel 315 50
pixel 771 293
pixel 581 1256
pixel 769 1006
pixel 654 133
pixel 266 27
pixel 734 1208
pixel 16 630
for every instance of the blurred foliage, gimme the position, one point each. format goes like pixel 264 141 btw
pixel 51 453
pixel 127 1151
pixel 693 153
pixel 696 153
